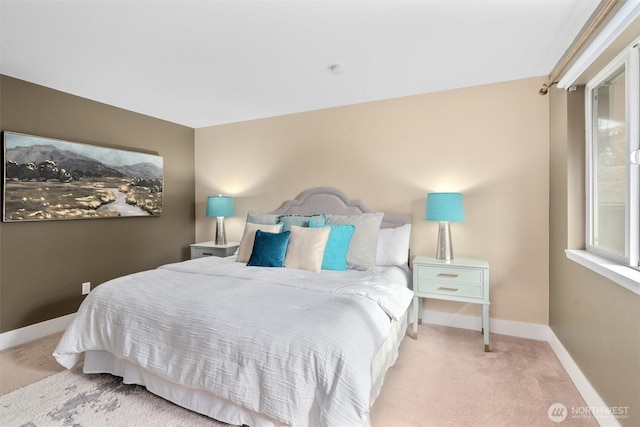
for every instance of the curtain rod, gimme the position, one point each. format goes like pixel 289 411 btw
pixel 594 23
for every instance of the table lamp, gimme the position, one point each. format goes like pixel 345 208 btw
pixel 444 207
pixel 220 207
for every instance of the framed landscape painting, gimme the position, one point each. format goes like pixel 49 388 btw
pixel 49 179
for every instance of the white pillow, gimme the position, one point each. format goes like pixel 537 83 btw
pixel 249 236
pixel 393 245
pixel 362 249
pixel 306 247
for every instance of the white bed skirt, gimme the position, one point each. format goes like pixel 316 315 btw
pixel 221 409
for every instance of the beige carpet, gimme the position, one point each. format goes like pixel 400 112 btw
pixel 442 379
pixel 28 363
pixel 446 379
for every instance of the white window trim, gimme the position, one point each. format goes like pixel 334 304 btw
pixel 620 273
pixel 630 60
pixel 624 276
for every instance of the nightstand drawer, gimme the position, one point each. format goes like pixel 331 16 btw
pixel 451 289
pixel 202 252
pixel 199 250
pixel 457 275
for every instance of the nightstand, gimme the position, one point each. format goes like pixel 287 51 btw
pixel 199 250
pixel 462 280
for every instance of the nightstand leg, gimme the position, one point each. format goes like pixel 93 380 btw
pixel 416 314
pixel 485 325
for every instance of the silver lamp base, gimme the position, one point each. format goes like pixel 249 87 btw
pixel 221 238
pixel 444 251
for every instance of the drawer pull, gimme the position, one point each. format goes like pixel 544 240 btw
pixel 442 288
pixel 207 253
pixel 447 275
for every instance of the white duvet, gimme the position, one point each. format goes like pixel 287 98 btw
pixel 283 342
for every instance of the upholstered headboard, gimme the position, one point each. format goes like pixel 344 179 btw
pixel 333 201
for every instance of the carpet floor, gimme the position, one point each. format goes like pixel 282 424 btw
pixel 442 379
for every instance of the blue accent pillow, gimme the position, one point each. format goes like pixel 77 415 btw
pixel 335 253
pixel 269 249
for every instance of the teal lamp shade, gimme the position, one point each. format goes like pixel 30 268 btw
pixel 444 207
pixel 219 207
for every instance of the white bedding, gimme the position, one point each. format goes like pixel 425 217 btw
pixel 281 342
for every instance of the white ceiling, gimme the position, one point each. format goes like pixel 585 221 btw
pixel 207 62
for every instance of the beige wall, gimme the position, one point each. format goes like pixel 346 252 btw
pixel 489 142
pixel 596 320
pixel 44 263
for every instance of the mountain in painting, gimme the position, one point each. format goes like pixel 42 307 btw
pixel 142 170
pixel 39 153
pixel 71 162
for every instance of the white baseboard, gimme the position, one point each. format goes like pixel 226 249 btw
pixel 532 331
pixel 537 332
pixel 589 394
pixel 29 333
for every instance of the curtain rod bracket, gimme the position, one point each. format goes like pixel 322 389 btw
pixel 597 18
pixel 545 88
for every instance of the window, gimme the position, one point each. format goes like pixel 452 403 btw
pixel 613 133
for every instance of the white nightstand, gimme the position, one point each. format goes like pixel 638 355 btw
pixel 199 250
pixel 462 280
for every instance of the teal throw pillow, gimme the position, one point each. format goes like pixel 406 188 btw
pixel 335 253
pixel 300 220
pixel 269 249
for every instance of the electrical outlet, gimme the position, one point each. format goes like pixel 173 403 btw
pixel 86 288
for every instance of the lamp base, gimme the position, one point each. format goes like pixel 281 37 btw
pixel 221 238
pixel 444 251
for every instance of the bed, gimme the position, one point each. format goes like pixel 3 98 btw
pixel 248 344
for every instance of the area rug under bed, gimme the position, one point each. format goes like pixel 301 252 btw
pixel 71 398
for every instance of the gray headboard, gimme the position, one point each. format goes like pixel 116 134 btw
pixel 333 201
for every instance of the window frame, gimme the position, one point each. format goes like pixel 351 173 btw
pixel 629 60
